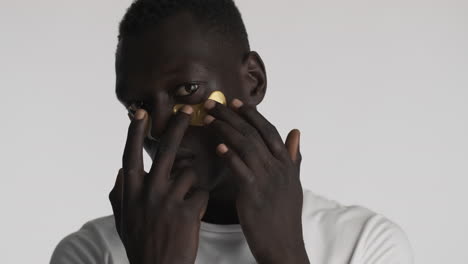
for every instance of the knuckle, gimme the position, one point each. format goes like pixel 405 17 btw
pixel 247 149
pixel 248 131
pixel 277 147
pixel 130 172
pixel 249 181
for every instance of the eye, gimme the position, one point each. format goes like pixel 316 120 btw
pixel 187 89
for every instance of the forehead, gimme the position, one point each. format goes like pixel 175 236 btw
pixel 176 42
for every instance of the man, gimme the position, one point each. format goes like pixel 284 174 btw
pixel 227 191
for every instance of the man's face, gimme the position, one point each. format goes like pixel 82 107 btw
pixel 178 62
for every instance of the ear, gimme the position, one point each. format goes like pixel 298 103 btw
pixel 253 78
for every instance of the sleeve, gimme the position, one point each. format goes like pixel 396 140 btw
pixel 80 247
pixel 382 242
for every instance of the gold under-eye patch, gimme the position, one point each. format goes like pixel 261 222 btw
pixel 199 112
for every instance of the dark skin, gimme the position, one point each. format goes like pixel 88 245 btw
pixel 241 172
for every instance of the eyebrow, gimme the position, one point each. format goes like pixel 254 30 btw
pixel 176 68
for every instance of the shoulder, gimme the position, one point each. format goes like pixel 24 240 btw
pixel 382 241
pixel 321 209
pixel 96 241
pixel 362 235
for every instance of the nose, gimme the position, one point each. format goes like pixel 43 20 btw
pixel 159 115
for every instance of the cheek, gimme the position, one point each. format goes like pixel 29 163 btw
pixel 230 84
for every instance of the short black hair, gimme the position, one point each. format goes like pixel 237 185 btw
pixel 220 16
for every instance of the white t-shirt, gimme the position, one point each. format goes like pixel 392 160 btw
pixel 333 234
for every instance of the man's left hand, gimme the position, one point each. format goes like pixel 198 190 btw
pixel 269 201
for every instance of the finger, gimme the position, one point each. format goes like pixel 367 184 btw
pixel 115 197
pixel 168 146
pixel 133 153
pixel 199 199
pixel 268 131
pixel 239 169
pixel 182 183
pixel 226 114
pixel 237 123
pixel 292 144
pixel 252 152
pixel 148 145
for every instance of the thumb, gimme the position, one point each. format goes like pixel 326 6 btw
pixel 292 145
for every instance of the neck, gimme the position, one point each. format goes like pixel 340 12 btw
pixel 221 208
pixel 221 212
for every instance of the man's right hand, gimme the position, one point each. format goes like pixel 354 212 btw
pixel 155 220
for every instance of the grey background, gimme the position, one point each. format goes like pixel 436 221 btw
pixel 378 89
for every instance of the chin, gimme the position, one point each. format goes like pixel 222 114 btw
pixel 210 173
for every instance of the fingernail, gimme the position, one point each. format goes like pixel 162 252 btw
pixel 222 148
pixel 209 104
pixel 187 109
pixel 208 119
pixel 140 114
pixel 236 103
